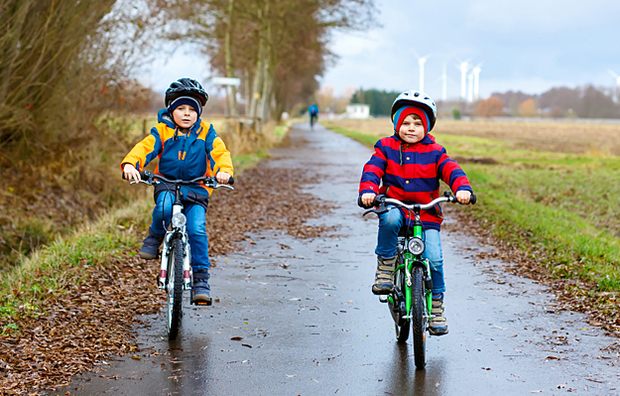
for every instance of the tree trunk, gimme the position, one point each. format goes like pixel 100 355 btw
pixel 266 96
pixel 257 83
pixel 230 71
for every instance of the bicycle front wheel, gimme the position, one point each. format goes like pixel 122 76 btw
pixel 175 288
pixel 419 317
pixel 398 308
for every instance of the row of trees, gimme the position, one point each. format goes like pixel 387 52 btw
pixel 276 47
pixel 583 102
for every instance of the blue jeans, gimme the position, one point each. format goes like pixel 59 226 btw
pixel 390 224
pixel 196 227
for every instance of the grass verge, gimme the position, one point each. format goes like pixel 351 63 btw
pixel 50 270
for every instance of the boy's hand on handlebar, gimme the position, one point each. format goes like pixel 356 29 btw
pixel 368 199
pixel 131 173
pixel 222 177
pixel 463 197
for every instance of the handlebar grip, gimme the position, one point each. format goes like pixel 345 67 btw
pixel 144 175
pixel 472 199
pixel 378 201
pixel 231 181
pixel 360 204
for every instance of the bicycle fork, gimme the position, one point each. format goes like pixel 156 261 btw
pixel 428 284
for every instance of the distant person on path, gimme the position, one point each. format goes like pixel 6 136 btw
pixel 313 110
pixel 408 166
pixel 187 148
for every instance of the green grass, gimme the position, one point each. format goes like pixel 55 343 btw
pixel 366 139
pixel 563 205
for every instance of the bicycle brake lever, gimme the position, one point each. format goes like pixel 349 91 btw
pixel 381 210
pixel 378 211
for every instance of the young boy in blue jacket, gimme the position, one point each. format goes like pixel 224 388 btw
pixel 187 148
pixel 408 166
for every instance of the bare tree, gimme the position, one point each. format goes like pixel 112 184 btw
pixel 276 46
pixel 61 65
pixel 491 107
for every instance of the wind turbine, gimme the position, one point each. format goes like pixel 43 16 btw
pixel 476 73
pixel 421 62
pixel 617 77
pixel 464 67
pixel 470 90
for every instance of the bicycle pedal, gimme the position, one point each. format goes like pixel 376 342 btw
pixel 383 299
pixel 207 303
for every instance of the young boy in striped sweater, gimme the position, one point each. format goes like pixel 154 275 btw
pixel 408 166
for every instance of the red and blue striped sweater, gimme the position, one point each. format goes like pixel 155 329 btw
pixel 411 173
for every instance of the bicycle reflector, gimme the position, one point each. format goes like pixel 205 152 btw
pixel 416 246
pixel 179 220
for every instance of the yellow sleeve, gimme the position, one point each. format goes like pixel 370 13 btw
pixel 221 156
pixel 144 151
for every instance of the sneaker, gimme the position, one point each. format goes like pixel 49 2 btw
pixel 438 325
pixel 384 283
pixel 150 246
pixel 201 291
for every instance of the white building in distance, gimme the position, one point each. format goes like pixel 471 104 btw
pixel 358 111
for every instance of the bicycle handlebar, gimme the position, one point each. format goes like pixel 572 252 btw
pixel 151 179
pixel 382 200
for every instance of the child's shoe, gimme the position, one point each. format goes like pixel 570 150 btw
pixel 384 283
pixel 438 325
pixel 201 290
pixel 150 246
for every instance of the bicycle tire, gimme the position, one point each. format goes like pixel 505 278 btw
pixel 419 321
pixel 174 288
pixel 402 326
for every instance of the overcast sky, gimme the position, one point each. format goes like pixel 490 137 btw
pixel 527 45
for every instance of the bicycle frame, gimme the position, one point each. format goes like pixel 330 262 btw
pixel 408 262
pixel 178 230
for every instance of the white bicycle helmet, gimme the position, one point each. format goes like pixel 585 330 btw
pixel 417 99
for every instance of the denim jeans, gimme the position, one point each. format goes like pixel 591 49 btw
pixel 390 224
pixel 196 227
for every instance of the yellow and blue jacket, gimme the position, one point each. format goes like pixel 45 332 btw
pixel 199 152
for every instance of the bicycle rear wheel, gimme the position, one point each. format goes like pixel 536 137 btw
pixel 174 288
pixel 419 320
pixel 398 307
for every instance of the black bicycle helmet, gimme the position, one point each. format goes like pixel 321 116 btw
pixel 186 87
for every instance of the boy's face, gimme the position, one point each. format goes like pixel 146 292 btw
pixel 184 116
pixel 411 130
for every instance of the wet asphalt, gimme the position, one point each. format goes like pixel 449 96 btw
pixel 297 317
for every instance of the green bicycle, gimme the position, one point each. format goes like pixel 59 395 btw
pixel 411 301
